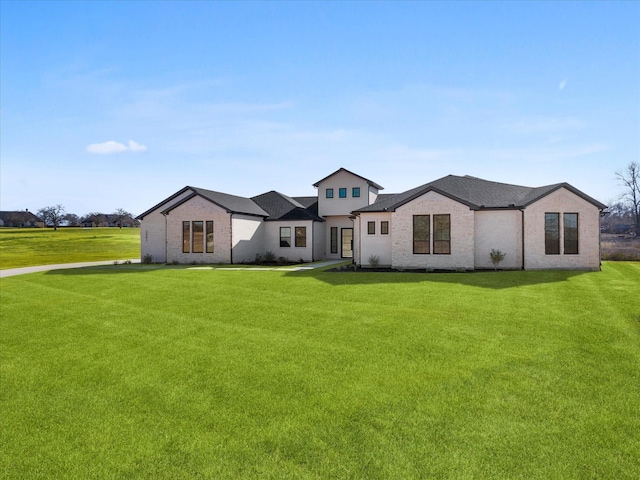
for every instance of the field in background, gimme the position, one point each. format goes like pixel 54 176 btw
pixel 24 247
pixel 620 247
pixel 145 371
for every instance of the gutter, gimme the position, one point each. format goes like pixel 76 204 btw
pixel 522 223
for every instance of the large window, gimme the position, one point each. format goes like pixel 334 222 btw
pixel 421 231
pixel 371 228
pixel 186 237
pixel 570 233
pixel 301 236
pixel 329 193
pixel 342 193
pixel 197 237
pixel 334 239
pixel 442 234
pixel 384 227
pixel 285 236
pixel 209 246
pixel 355 192
pixel 552 233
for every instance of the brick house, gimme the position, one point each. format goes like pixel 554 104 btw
pixel 452 223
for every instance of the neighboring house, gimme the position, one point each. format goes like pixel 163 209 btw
pixel 449 224
pixel 20 219
pixel 109 220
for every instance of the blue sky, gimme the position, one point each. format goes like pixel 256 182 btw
pixel 109 105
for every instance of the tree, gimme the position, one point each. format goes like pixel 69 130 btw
pixel 630 178
pixel 52 215
pixel 120 214
pixel 72 219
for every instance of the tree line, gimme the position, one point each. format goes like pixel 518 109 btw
pixel 56 216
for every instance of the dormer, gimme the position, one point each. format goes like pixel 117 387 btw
pixel 343 191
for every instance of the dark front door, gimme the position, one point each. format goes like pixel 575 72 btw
pixel 346 235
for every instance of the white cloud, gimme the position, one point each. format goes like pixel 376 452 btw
pixel 562 84
pixel 115 147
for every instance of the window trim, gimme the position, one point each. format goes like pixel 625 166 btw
pixel 384 227
pixel 197 236
pixel 439 243
pixel 328 193
pixel 342 192
pixel 209 245
pixel 565 229
pixel 186 236
pixel 425 242
pixel 333 240
pixel 354 191
pixel 551 241
pixel 301 240
pixel 286 238
pixel 371 228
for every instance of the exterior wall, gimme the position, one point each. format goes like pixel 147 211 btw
pixel 339 221
pixel 562 201
pixel 462 234
pixel 499 230
pixel 319 232
pixel 247 238
pixel 293 253
pixel 153 232
pixel 376 244
pixel 342 206
pixel 193 210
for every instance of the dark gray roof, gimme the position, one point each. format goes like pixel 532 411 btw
pixel 231 203
pixel 281 207
pixel 475 193
pixel 19 216
pixel 374 184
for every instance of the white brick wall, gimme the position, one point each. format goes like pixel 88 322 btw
pixel 377 244
pixel 499 230
pixel 562 201
pixel 462 234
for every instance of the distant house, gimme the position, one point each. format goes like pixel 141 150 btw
pixel 452 223
pixel 109 220
pixel 20 219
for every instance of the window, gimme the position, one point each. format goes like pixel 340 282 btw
pixel 421 234
pixel 371 228
pixel 334 239
pixel 285 236
pixel 384 227
pixel 355 192
pixel 209 247
pixel 197 237
pixel 442 234
pixel 342 193
pixel 329 193
pixel 570 233
pixel 301 236
pixel 552 233
pixel 186 237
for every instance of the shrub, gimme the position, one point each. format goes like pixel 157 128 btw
pixel 269 257
pixel 147 259
pixel 496 257
pixel 282 261
pixel 374 261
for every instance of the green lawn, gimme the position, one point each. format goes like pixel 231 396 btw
pixel 137 371
pixel 23 247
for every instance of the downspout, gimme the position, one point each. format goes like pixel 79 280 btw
pixel 231 238
pixel 522 240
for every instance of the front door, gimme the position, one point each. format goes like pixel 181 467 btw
pixel 346 235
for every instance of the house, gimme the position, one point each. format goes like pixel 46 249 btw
pixel 109 220
pixel 452 223
pixel 20 219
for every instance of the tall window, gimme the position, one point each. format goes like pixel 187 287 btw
pixel 186 237
pixel 285 236
pixel 342 193
pixel 355 192
pixel 442 234
pixel 209 247
pixel 552 233
pixel 301 236
pixel 371 228
pixel 421 231
pixel 384 227
pixel 329 193
pixel 334 239
pixel 570 233
pixel 197 237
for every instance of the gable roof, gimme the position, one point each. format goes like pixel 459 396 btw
pixel 282 207
pixel 19 216
pixel 369 182
pixel 476 193
pixel 231 203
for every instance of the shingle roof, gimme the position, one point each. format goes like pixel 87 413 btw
pixel 475 193
pixel 282 207
pixel 231 203
pixel 18 216
pixel 370 182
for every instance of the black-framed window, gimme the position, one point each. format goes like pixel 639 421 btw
pixel 384 227
pixel 442 234
pixel 371 228
pixel 355 192
pixel 301 236
pixel 209 237
pixel 421 233
pixel 186 237
pixel 570 221
pixel 285 236
pixel 329 193
pixel 342 193
pixel 197 237
pixel 334 239
pixel 552 233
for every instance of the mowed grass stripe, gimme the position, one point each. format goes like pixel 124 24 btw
pixel 153 372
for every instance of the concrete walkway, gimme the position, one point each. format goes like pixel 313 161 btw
pixel 45 268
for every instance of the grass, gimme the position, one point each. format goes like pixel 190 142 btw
pixel 23 247
pixel 620 247
pixel 137 371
